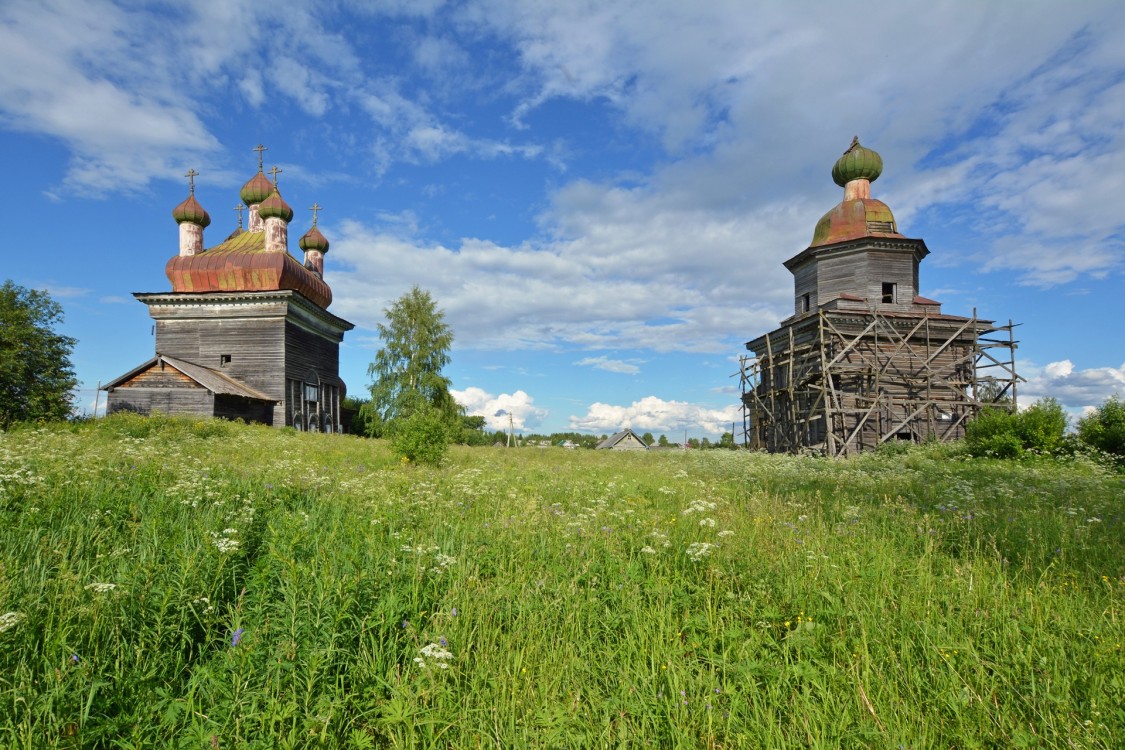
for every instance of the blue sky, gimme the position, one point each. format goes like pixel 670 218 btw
pixel 600 195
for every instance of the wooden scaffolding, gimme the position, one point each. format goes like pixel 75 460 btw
pixel 842 381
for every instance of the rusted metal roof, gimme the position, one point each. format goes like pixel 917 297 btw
pixel 241 264
pixel 853 219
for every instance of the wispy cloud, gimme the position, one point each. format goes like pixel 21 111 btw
pixel 609 365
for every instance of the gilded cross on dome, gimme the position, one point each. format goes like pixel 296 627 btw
pixel 275 172
pixel 315 207
pixel 191 175
pixel 240 208
pixel 259 148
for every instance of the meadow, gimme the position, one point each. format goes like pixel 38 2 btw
pixel 197 584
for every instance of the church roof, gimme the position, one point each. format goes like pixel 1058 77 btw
pixel 217 382
pixel 242 264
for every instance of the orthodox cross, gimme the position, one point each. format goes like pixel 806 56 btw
pixel 260 148
pixel 240 208
pixel 191 175
pixel 315 207
pixel 275 171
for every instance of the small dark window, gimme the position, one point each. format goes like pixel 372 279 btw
pixel 888 293
pixel 312 392
pixel 224 359
pixel 806 300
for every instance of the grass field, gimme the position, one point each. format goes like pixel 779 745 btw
pixel 168 583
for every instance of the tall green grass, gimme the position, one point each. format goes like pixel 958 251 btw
pixel 203 584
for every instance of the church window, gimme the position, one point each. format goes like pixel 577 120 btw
pixel 888 293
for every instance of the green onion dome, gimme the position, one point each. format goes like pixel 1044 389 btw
pixel 256 190
pixel 190 211
pixel 857 163
pixel 313 240
pixel 273 205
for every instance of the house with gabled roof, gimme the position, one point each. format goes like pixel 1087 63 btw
pixel 626 440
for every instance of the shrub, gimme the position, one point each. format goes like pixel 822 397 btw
pixel 1041 427
pixel 1003 434
pixel 422 437
pixel 1104 428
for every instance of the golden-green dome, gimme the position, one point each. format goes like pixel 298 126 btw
pixel 857 163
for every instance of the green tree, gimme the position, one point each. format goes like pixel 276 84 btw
pixel 36 376
pixel 727 441
pixel 663 441
pixel 648 439
pixel 1104 428
pixel 406 374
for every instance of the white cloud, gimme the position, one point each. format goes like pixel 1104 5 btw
pixel 657 415
pixel 480 403
pixel 609 365
pixel 1077 389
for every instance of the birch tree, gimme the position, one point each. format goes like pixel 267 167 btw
pixel 407 372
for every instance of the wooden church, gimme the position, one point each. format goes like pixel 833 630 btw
pixel 245 332
pixel 865 359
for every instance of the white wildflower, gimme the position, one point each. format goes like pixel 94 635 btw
pixel 699 506
pixel 699 550
pixel 436 653
pixel 100 588
pixel 648 550
pixel 710 522
pixel 726 532
pixel 9 620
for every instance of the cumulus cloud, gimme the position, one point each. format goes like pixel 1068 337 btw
pixel 480 403
pixel 657 415
pixel 1078 390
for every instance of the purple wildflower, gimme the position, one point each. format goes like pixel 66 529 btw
pixel 236 637
pixel 454 611
pixel 74 658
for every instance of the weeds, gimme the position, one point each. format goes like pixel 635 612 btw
pixel 213 585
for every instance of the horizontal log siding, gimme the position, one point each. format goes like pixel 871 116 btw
pixel 172 401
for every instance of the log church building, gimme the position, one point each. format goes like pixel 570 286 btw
pixel 245 332
pixel 865 359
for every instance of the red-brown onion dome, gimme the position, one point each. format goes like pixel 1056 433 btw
pixel 256 190
pixel 313 240
pixel 274 206
pixel 190 211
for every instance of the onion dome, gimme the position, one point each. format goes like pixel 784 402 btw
pixel 857 163
pixel 190 211
pixel 273 205
pixel 256 190
pixel 313 240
